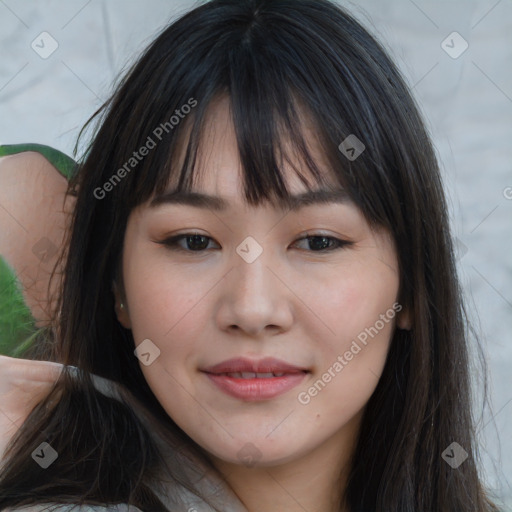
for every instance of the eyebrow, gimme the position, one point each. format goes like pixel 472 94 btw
pixel 294 202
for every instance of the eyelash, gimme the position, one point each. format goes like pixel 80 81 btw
pixel 172 242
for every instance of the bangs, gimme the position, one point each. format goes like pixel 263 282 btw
pixel 268 142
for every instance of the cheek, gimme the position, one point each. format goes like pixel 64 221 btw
pixel 163 299
pixel 359 306
pixel 345 303
pixel 166 307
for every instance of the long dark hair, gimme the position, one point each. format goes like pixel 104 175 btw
pixel 275 60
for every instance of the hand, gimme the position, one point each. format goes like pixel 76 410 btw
pixel 23 384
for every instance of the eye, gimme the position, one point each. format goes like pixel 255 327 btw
pixel 194 242
pixel 198 243
pixel 323 243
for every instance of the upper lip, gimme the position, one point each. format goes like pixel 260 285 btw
pixel 266 365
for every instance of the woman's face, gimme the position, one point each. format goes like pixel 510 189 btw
pixel 208 311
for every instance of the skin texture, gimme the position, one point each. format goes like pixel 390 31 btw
pixel 34 214
pixel 23 384
pixel 293 303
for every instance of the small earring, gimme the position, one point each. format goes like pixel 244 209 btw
pixel 121 306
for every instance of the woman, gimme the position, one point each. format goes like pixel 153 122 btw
pixel 260 308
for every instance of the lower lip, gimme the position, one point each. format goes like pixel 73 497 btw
pixel 256 389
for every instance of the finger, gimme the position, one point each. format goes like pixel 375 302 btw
pixel 25 369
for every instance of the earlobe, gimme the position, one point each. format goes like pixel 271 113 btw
pixel 404 320
pixel 121 309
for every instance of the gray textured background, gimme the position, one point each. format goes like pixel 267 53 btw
pixel 467 102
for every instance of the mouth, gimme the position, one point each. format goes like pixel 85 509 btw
pixel 251 380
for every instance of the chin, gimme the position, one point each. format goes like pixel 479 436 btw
pixel 254 454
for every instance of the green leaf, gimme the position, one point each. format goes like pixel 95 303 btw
pixel 16 321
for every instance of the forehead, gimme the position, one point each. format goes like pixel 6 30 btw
pixel 218 170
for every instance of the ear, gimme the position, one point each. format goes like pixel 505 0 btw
pixel 121 307
pixel 404 319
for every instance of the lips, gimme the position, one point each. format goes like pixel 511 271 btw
pixel 251 380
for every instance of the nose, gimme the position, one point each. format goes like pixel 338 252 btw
pixel 255 299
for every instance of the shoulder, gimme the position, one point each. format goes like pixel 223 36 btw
pixel 34 216
pixel 63 163
pixel 29 162
pixel 50 507
pixel 29 172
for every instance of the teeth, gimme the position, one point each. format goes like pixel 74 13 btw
pixel 253 375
